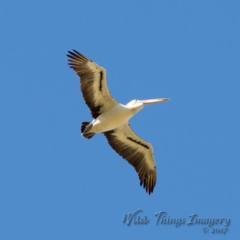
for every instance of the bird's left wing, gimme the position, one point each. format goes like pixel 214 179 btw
pixel 137 152
pixel 93 83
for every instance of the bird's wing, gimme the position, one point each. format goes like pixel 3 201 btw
pixel 137 152
pixel 93 83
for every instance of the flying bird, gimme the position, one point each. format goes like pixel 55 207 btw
pixel 111 118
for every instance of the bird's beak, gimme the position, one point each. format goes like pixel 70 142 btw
pixel 156 100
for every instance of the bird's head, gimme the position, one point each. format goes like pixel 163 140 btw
pixel 137 105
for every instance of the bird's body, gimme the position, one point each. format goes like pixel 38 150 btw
pixel 111 118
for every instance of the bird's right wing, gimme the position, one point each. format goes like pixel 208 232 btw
pixel 93 83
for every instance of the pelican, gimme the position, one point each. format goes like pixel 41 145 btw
pixel 111 118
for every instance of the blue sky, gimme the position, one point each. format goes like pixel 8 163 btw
pixel 54 184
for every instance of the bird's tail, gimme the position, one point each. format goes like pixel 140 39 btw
pixel 86 126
